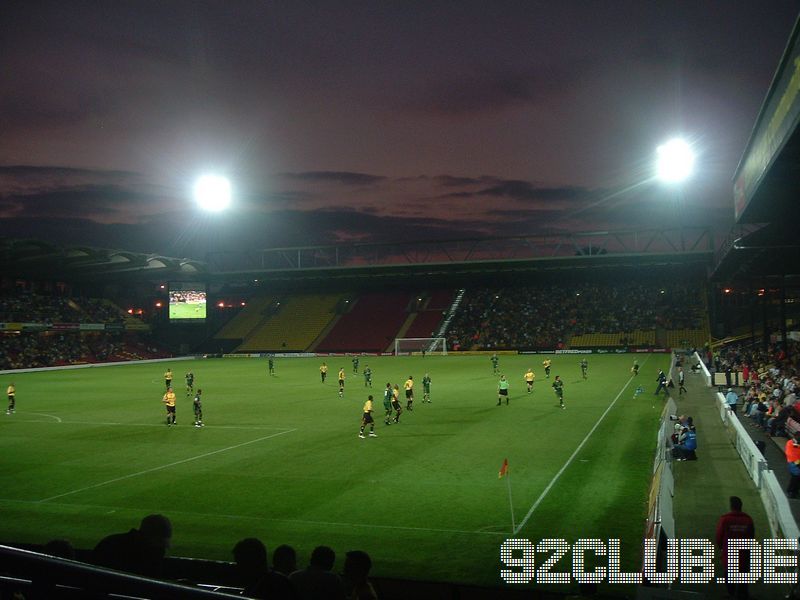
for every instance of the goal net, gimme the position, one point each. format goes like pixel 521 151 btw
pixel 431 345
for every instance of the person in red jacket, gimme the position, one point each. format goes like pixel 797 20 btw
pixel 792 451
pixel 735 525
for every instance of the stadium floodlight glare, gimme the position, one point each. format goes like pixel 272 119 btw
pixel 213 192
pixel 675 161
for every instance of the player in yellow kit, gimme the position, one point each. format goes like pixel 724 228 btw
pixel 11 392
pixel 396 403
pixel 366 419
pixel 341 382
pixel 530 376
pixel 409 387
pixel 169 400
pixel 323 372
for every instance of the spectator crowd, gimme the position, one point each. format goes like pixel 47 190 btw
pixel 27 350
pixel 35 308
pixel 143 550
pixel 547 316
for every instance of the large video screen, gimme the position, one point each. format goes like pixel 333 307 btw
pixel 187 302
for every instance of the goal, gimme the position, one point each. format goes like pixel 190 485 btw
pixel 431 345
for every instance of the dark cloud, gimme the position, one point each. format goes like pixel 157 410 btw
pixel 453 181
pixel 340 177
pixel 45 172
pixel 99 202
pixel 521 190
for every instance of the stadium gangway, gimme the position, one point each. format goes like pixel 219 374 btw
pixel 42 576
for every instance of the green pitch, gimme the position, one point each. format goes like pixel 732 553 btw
pixel 187 310
pixel 88 453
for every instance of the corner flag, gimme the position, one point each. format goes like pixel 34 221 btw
pixel 503 469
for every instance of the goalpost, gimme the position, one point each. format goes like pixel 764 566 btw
pixel 430 345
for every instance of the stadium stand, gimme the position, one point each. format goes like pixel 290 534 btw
pixel 35 308
pixel 371 325
pixel 50 349
pixel 295 325
pixel 246 320
pixel 585 314
pixel 429 315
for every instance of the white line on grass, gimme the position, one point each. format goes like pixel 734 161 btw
pixel 572 457
pixel 161 425
pixel 159 468
pixel 57 419
pixel 111 509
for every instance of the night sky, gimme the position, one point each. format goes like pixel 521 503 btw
pixel 371 121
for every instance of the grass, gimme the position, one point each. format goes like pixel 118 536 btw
pixel 187 310
pixel 87 454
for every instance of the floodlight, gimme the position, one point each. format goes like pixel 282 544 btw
pixel 213 193
pixel 675 161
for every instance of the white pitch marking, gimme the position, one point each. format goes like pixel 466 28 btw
pixel 57 419
pixel 572 457
pixel 161 425
pixel 251 518
pixel 159 468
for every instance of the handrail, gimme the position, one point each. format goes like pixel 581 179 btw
pixel 44 570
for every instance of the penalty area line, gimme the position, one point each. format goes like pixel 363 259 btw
pixel 161 467
pixel 558 475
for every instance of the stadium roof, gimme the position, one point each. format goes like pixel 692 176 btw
pixel 766 241
pixel 491 258
pixel 39 259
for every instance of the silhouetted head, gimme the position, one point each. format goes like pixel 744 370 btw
pixel 250 555
pixel 157 530
pixel 323 558
pixel 357 564
pixel 284 559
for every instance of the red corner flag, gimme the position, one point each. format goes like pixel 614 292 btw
pixel 503 469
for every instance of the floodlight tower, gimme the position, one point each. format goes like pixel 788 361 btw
pixel 213 193
pixel 674 165
pixel 674 161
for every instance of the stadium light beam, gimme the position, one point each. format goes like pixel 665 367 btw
pixel 675 161
pixel 213 193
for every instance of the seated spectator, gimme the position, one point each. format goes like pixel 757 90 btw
pixel 59 548
pixel 318 580
pixel 687 443
pixel 776 423
pixel 760 414
pixel 357 564
pixel 250 555
pixel 284 560
pixel 140 551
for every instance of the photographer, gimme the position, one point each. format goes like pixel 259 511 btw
pixel 686 444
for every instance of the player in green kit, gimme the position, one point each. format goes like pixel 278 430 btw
pixel 426 388
pixel 635 367
pixel 271 365
pixel 355 364
pixel 558 388
pixel 502 390
pixel 367 376
pixel 387 404
pixel 495 363
pixel 584 368
pixel 198 409
pixel 189 383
